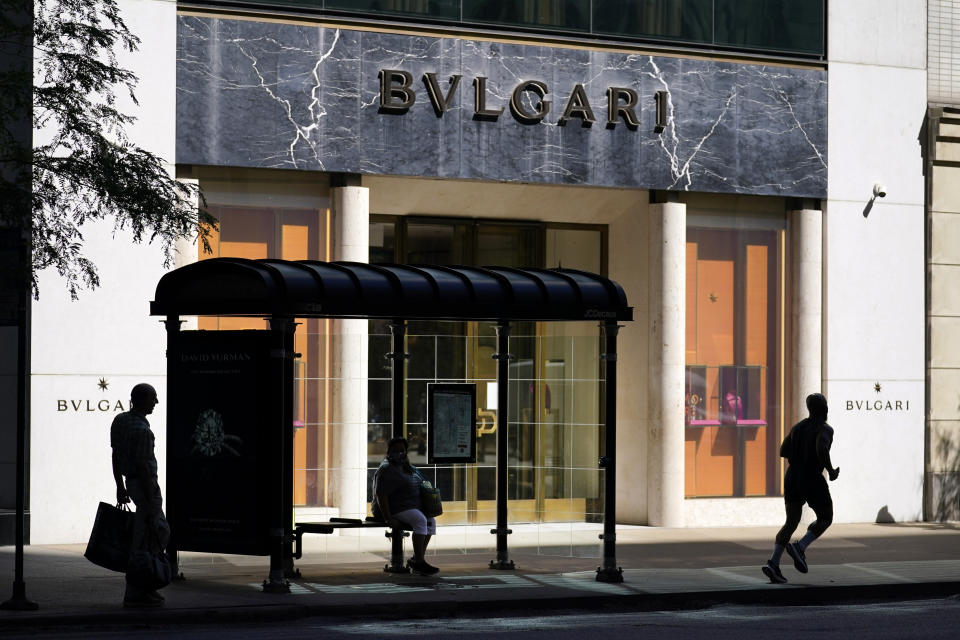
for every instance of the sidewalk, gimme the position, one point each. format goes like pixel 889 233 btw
pixel 662 569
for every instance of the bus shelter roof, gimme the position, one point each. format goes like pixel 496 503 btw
pixel 313 289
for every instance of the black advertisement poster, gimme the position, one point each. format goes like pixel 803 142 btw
pixel 224 442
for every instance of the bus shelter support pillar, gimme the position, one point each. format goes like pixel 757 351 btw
pixel 282 357
pixel 173 324
pixel 610 572
pixel 398 358
pixel 502 356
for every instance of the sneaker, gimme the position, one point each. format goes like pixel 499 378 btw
pixel 772 571
pixel 422 568
pixel 799 558
pixel 157 596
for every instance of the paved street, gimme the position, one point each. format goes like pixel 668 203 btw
pixel 939 618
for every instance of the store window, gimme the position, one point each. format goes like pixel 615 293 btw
pixel 288 233
pixel 735 288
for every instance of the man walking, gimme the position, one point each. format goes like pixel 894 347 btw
pixel 133 459
pixel 807 448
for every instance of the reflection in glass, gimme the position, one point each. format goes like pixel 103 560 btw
pixel 781 25
pixel 788 26
pixel 687 20
pixel 449 9
pixel 562 14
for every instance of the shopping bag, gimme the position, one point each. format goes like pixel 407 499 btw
pixel 112 535
pixel 430 503
pixel 149 570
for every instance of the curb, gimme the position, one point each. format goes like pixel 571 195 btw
pixel 778 596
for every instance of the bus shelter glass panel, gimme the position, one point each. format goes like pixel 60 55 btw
pixel 554 422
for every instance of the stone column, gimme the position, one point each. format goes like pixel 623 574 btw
pixel 667 269
pixel 806 303
pixel 350 230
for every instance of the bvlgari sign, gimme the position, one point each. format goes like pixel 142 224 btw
pixel 528 100
pixel 878 403
pixel 299 96
pixel 89 404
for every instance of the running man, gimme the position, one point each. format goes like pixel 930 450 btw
pixel 807 448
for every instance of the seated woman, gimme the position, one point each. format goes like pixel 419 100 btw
pixel 396 490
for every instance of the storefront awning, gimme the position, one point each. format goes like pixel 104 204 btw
pixel 307 288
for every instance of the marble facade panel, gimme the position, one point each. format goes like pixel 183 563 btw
pixel 266 94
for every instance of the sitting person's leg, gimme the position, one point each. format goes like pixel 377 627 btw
pixel 422 531
pixel 431 531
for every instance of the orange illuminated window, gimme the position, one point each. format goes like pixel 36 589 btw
pixel 288 234
pixel 734 372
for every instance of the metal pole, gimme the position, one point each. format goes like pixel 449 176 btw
pixel 289 328
pixel 172 324
pixel 610 572
pixel 16 53
pixel 502 356
pixel 398 357
pixel 19 600
pixel 281 559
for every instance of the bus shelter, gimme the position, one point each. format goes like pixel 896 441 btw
pixel 230 462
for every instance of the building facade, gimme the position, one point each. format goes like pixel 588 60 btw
pixel 941 144
pixel 718 159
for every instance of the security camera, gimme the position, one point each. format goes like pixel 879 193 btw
pixel 879 191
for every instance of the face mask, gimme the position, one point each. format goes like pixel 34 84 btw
pixel 397 457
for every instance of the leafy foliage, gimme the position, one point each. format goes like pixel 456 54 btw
pixel 85 168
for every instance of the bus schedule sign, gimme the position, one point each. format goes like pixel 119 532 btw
pixel 451 423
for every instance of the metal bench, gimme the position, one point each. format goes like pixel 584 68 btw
pixel 396 535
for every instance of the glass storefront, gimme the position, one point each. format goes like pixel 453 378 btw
pixel 555 384
pixel 783 26
pixel 735 325
pixel 735 355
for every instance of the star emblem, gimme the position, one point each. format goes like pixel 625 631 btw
pixel 876 387
pixel 713 297
pixel 103 384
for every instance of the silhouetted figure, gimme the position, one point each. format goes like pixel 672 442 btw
pixel 396 490
pixel 807 448
pixel 134 460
